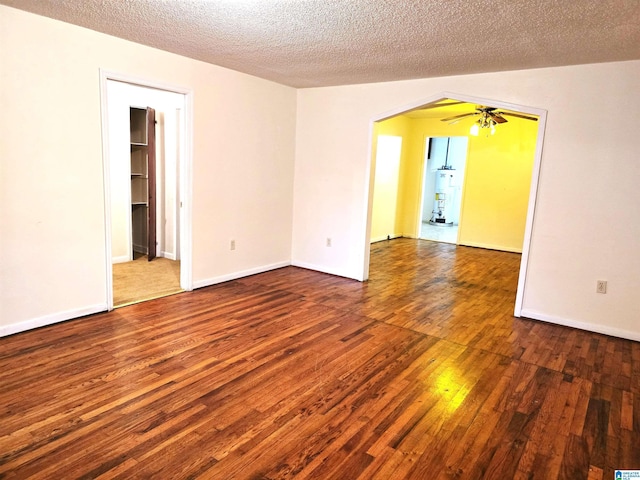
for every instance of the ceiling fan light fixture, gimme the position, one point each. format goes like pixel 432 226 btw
pixel 485 121
pixel 488 117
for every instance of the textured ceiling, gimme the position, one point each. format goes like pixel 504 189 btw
pixel 306 43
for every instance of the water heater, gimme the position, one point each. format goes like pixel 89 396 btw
pixel 444 196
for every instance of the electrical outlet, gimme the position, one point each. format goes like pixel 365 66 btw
pixel 232 245
pixel 328 241
pixel 601 286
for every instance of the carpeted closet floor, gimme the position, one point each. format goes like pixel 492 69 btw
pixel 142 280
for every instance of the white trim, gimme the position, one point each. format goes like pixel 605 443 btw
pixel 490 246
pixel 589 327
pixel 144 82
pixel 424 163
pixel 13 328
pixel 370 175
pixel 185 200
pixel 122 259
pixel 236 275
pixel 390 237
pixel 457 96
pixel 106 185
pixel 323 269
pixel 186 162
pixel 533 191
pixel 168 255
pixel 528 229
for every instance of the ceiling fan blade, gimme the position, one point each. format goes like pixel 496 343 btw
pixel 459 116
pixel 519 115
pixel 497 118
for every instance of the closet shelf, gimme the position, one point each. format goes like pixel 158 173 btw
pixel 139 141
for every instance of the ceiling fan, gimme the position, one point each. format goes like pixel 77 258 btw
pixel 489 118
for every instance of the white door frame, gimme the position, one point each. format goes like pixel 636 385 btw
pixel 533 191
pixel 185 180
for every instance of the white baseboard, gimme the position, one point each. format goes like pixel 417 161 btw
pixel 126 258
pixel 489 246
pixel 380 239
pixel 50 319
pixel 234 276
pixel 322 269
pixel 590 327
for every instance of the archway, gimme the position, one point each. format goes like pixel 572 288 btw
pixel 516 111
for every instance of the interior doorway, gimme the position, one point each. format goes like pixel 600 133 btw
pixel 147 178
pixel 486 114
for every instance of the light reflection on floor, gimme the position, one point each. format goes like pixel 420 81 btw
pixel 439 234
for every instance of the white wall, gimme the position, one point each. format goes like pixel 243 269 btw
pixel 52 243
pixel 587 219
pixel 52 215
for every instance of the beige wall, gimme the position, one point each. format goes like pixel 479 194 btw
pixel 587 218
pixel 52 212
pixel 247 133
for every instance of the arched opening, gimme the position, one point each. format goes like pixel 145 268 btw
pixel 499 188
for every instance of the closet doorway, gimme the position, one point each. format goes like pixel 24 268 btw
pixel 146 159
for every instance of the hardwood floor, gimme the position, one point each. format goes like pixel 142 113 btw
pixel 420 373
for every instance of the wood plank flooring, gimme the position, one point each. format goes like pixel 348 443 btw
pixel 420 373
